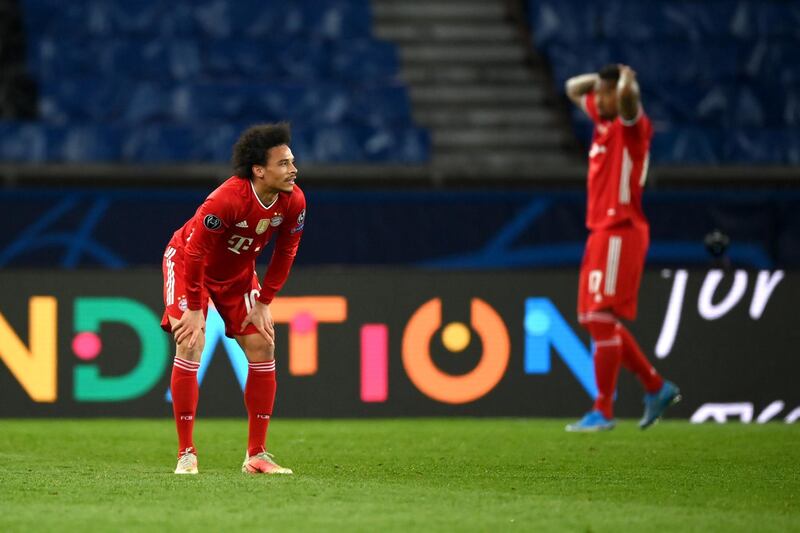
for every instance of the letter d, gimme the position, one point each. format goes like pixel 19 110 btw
pixel 90 386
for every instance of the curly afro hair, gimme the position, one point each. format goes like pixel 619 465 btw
pixel 609 73
pixel 252 146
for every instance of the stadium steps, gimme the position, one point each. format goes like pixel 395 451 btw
pixel 441 10
pixel 454 74
pixel 476 85
pixel 542 164
pixel 490 116
pixel 463 53
pixel 466 94
pixel 495 138
pixel 493 31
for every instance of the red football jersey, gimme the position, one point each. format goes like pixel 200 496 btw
pixel 227 233
pixel 618 161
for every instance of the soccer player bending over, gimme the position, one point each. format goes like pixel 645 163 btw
pixel 214 256
pixel 619 236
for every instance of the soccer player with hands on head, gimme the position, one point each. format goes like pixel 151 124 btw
pixel 213 256
pixel 615 252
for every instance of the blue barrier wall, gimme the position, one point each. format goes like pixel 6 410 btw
pixel 458 229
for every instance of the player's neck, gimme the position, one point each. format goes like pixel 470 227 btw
pixel 265 195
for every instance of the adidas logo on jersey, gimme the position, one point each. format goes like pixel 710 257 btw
pixel 242 224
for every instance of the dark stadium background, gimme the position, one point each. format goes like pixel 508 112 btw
pixel 432 144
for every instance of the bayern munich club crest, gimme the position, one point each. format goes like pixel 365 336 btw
pixel 264 223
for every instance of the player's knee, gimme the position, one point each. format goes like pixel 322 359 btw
pixel 260 349
pixel 600 329
pixel 192 354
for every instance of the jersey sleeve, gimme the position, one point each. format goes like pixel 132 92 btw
pixel 589 104
pixel 286 244
pixel 211 220
pixel 637 132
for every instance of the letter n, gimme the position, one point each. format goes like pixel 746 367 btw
pixel 546 331
pixel 34 368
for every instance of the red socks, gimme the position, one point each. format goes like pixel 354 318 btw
pixel 634 360
pixel 259 397
pixel 607 358
pixel 184 401
pixel 614 345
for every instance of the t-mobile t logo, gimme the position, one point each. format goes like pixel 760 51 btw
pixel 238 243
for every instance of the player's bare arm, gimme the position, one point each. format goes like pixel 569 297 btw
pixel 578 86
pixel 628 93
pixel 189 328
pixel 261 317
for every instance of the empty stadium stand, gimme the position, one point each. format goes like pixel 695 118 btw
pixel 157 81
pixel 720 78
pixel 430 91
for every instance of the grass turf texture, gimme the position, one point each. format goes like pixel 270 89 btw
pixel 395 475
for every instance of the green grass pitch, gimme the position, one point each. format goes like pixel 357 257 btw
pixel 401 475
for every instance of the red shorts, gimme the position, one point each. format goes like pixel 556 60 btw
pixel 233 299
pixel 612 270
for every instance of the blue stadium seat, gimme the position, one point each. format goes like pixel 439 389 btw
pixel 164 59
pixel 202 142
pixel 687 145
pixel 174 80
pixel 766 146
pixel 331 19
pixel 767 18
pixel 572 21
pixel 712 72
pixel 775 60
pixel 37 142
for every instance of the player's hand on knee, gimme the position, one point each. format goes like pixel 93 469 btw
pixel 189 327
pixel 261 317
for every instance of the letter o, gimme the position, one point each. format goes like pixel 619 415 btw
pixel 444 387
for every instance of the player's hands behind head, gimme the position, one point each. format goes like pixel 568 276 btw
pixel 626 73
